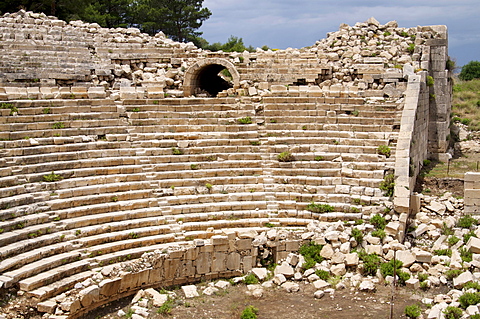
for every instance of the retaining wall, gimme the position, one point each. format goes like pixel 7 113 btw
pixel 472 193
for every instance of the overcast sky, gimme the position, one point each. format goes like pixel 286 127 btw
pixel 299 23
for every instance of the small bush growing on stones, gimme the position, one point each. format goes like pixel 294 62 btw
pixel 311 253
pixel 58 125
pixel 453 273
pixel 384 150
pixel 413 311
pixel 467 236
pixel 471 284
pixel 468 299
pixel 452 312
pixel 422 277
pixel 245 120
pixel 322 274
pixel 371 262
pixel 465 254
pixel 447 231
pixel 319 208
pixel 52 177
pixel 176 151
pixel 475 316
pixel 388 185
pixel 357 235
pixel 285 157
pixel 466 221
pixel 443 252
pixel 250 279
pixel 380 233
pixel 452 240
pixel 378 221
pixel 166 308
pixel 430 80
pixel 387 268
pixel 249 313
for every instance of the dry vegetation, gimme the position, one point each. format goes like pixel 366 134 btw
pixel 466 103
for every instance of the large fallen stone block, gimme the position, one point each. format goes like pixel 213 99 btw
pixel 462 279
pixel 473 245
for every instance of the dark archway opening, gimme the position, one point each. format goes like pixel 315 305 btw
pixel 212 79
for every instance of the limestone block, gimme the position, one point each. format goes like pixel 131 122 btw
pixel 261 273
pixel 47 306
pixel 338 270
pixel 158 299
pixel 97 93
pixel 351 259
pixel 367 285
pixel 338 258
pixel 210 291
pixel 392 228
pixel 473 245
pixel 462 279
pixel 422 256
pixel 89 295
pixel 233 261
pixel 279 279
pixel 291 286
pixel 284 269
pixel 327 251
pixel 406 257
pixel 190 291
pixel 412 283
pixel 374 249
pixel 128 93
pixel 109 287
pixel 70 305
pixel 155 92
pixel 320 284
pixel 79 92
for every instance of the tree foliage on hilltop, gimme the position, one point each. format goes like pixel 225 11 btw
pixel 470 71
pixel 178 19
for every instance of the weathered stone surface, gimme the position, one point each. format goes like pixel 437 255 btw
pixel 190 291
pixel 158 299
pixel 462 279
pixel 367 285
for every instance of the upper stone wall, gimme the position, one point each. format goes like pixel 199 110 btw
pixel 45 51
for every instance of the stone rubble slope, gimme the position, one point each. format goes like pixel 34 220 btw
pixel 438 251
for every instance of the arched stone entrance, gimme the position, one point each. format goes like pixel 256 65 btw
pixel 204 75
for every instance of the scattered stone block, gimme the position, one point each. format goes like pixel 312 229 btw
pixel 190 291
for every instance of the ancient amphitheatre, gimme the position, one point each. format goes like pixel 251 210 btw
pixel 130 162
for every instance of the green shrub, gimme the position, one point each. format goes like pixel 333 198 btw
pixel 388 185
pixel 52 177
pixel 413 311
pixel 250 312
pixel 384 150
pixel 176 151
pixel 319 208
pixel 453 273
pixel 443 252
pixel 245 120
pixel 475 316
pixel 471 284
pixel 466 255
pixel 378 221
pixel 411 48
pixel 166 308
pixel 58 125
pixel 447 231
pixel 371 262
pixel 380 233
pixel 452 240
pixel 319 158
pixel 47 110
pixel 430 80
pixel 470 71
pixel 322 274
pixel 387 268
pixel 357 235
pixel 452 312
pixel 466 221
pixel 250 279
pixel 422 277
pixel 285 157
pixel 311 253
pixel 468 299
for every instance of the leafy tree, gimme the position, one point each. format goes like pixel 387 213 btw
pixel 470 71
pixel 109 13
pixel 179 19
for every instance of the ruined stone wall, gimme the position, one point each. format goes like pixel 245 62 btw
pixel 472 193
pixel 221 256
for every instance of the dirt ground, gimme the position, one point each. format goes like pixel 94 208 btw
pixel 279 304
